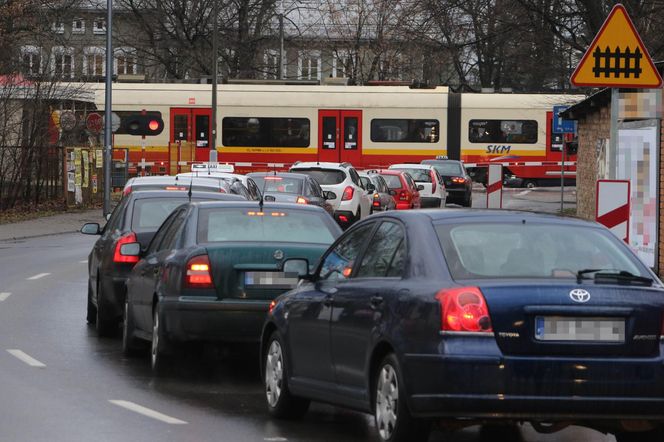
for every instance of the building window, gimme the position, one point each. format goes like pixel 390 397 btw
pixel 78 26
pixel 31 60
pixel 271 60
pixel 502 131
pixel 341 65
pixel 99 26
pixel 126 62
pixel 94 64
pixel 308 66
pixel 398 130
pixel 63 62
pixel 58 27
pixel 265 132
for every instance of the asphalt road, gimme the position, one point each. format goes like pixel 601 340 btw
pixel 540 199
pixel 60 382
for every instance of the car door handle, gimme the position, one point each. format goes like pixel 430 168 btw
pixel 376 301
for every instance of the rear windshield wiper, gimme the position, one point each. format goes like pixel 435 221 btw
pixel 620 276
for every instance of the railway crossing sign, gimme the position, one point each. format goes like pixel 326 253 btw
pixel 617 57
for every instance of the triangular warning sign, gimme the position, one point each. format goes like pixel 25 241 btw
pixel 617 57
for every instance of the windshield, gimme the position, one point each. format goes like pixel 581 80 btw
pixel 324 176
pixel 392 181
pixel 419 175
pixel 243 224
pixel 508 250
pixel 279 184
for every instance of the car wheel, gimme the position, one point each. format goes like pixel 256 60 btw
pixel 530 184
pixel 130 345
pixel 656 435
pixel 92 310
pixel 468 202
pixel 393 419
pixel 280 402
pixel 159 360
pixel 105 327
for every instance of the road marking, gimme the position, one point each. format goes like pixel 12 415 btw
pixel 525 192
pixel 32 362
pixel 275 439
pixel 41 275
pixel 147 412
pixel 85 261
pixel 4 296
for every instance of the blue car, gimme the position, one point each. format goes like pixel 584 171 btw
pixel 467 317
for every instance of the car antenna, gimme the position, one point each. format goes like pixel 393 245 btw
pixel 191 184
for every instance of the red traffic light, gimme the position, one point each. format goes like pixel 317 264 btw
pixel 153 125
pixel 141 124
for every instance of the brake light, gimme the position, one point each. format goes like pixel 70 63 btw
pixel 175 188
pixel 127 191
pixel 273 178
pixel 302 200
pixel 464 310
pixel 348 193
pixel 458 180
pixel 273 304
pixel 376 203
pixel 343 218
pixel 198 273
pixel 119 257
pixel 404 196
pixel 433 181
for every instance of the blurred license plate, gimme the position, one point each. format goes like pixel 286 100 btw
pixel 270 279
pixel 579 329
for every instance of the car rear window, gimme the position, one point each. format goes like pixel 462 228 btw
pixel 279 184
pixel 149 213
pixel 523 250
pixel 175 187
pixel 448 169
pixel 324 176
pixel 419 175
pixel 244 224
pixel 392 181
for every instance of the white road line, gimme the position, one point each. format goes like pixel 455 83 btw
pixel 525 192
pixel 275 439
pixel 4 296
pixel 32 362
pixel 85 261
pixel 147 412
pixel 41 275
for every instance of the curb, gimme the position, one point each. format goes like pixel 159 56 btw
pixel 40 235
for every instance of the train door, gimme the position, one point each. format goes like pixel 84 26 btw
pixel 340 136
pixel 190 127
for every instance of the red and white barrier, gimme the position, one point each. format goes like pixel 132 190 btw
pixel 612 209
pixel 494 187
pixel 523 163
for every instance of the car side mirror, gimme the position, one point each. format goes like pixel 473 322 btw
pixel 270 198
pixel 108 216
pixel 299 266
pixel 420 187
pixel 91 229
pixel 130 249
pixel 371 188
pixel 393 192
pixel 329 195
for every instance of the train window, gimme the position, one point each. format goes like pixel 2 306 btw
pixel 180 127
pixel 502 131
pixel 329 132
pixel 401 130
pixel 265 132
pixel 350 133
pixel 202 130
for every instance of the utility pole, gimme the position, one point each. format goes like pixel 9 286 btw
pixel 215 74
pixel 108 140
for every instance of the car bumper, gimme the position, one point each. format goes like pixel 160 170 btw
pixel 430 201
pixel 213 320
pixel 529 387
pixel 456 195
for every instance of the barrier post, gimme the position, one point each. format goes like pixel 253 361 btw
pixel 494 187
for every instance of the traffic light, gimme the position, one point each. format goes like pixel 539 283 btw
pixel 139 124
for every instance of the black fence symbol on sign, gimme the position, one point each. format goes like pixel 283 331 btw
pixel 617 63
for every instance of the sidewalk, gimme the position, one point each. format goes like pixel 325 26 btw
pixel 50 225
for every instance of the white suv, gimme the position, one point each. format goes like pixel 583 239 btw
pixel 430 184
pixel 351 201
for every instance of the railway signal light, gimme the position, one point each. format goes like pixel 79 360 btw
pixel 139 124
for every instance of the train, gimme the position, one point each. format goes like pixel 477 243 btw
pixel 274 125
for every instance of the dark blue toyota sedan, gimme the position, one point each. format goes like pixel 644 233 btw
pixel 465 317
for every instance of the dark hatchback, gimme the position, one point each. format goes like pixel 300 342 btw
pixel 136 218
pixel 468 317
pixel 213 269
pixel 286 187
pixel 458 183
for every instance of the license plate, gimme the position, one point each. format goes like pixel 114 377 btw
pixel 549 328
pixel 270 279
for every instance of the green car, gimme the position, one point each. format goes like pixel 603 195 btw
pixel 212 270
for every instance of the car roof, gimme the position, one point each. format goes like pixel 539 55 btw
pixel 432 162
pixel 392 172
pixel 411 166
pixel 244 204
pixel 173 180
pixel 213 175
pixel 321 165
pixel 281 174
pixel 143 194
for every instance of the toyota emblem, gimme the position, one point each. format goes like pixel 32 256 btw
pixel 278 255
pixel 579 295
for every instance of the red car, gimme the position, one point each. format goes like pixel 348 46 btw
pixel 402 188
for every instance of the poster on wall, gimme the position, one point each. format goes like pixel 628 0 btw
pixel 638 143
pixel 86 168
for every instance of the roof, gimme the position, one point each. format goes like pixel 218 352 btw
pixel 320 165
pixel 300 176
pixel 410 166
pixel 493 215
pixel 144 194
pixel 244 204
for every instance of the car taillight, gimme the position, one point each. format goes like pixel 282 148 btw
pixel 464 310
pixel 433 181
pixel 348 194
pixel 119 257
pixel 127 191
pixel 302 200
pixel 273 304
pixel 404 196
pixel 458 179
pixel 376 200
pixel 343 218
pixel 198 274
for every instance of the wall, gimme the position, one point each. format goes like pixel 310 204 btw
pixel 594 129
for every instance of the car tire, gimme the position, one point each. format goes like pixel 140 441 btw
pixel 130 344
pixel 530 184
pixel 160 358
pixel 359 214
pixel 468 202
pixel 392 417
pixel 91 317
pixel 280 402
pixel 655 435
pixel 105 327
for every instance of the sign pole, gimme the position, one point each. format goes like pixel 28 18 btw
pixel 108 141
pixel 562 179
pixel 613 137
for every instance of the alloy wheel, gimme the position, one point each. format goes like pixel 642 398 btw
pixel 387 401
pixel 274 373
